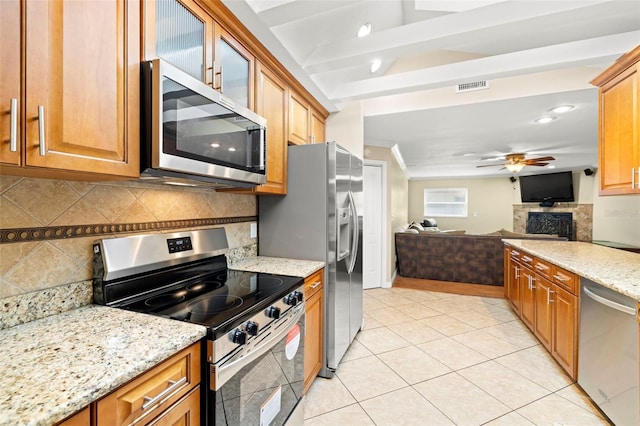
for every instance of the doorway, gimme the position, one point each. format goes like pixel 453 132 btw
pixel 374 235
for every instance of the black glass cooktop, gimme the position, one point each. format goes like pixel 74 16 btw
pixel 217 300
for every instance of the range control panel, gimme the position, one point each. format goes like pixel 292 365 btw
pixel 179 244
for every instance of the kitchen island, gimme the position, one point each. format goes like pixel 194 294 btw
pixel 618 270
pixel 56 366
pixel 278 265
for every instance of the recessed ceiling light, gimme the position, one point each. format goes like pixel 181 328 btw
pixel 562 108
pixel 215 145
pixel 232 149
pixel 364 30
pixel 544 120
pixel 551 167
pixel 375 65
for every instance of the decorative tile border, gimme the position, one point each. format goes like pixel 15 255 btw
pixel 21 235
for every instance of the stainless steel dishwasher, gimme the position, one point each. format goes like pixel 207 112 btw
pixel 608 352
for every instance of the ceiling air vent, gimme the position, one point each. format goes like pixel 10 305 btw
pixel 470 87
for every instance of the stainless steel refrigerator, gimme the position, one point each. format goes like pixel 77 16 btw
pixel 320 218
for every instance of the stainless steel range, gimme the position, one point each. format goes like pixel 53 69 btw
pixel 255 321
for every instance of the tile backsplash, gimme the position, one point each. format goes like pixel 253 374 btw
pixel 45 263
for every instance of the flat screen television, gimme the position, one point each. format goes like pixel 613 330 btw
pixel 548 188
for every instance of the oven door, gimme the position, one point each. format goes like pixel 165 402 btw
pixel 264 386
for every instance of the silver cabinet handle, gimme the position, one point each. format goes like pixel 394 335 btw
pixel 527 259
pixel 221 80
pixel 541 267
pixel 315 285
pixel 43 147
pixel 633 178
pixel 13 141
pixel 549 301
pixel 517 271
pixel 559 278
pixel 173 385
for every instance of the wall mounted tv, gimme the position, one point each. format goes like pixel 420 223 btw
pixel 547 188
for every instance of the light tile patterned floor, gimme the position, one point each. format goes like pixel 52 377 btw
pixel 427 358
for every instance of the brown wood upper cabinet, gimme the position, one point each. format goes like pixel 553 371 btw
pixel 75 105
pixel 619 135
pixel 186 35
pixel 306 125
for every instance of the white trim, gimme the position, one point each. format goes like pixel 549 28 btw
pixel 386 255
pixel 395 150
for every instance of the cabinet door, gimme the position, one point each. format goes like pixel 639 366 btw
pixel 10 100
pixel 298 120
pixel 513 285
pixel 527 299
pixel 543 318
pixel 565 338
pixel 185 412
pixel 82 418
pixel 82 86
pixel 619 127
pixel 234 68
pixel 271 103
pixel 317 128
pixel 313 339
pixel 181 33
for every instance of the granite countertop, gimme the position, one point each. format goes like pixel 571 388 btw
pixel 55 366
pixel 616 269
pixel 278 265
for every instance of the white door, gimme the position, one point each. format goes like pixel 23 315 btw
pixel 373 226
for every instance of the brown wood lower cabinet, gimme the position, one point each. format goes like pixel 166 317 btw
pixel 314 317
pixel 81 418
pixel 545 297
pixel 167 394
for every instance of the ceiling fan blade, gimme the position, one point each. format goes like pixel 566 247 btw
pixel 540 159
pixel 490 165
pixel 537 164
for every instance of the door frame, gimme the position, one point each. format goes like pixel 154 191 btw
pixel 385 226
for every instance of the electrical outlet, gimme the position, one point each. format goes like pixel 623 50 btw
pixel 254 230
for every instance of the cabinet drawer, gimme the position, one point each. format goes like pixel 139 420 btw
pixel 565 279
pixel 313 283
pixel 150 394
pixel 515 255
pixel 527 260
pixel 542 267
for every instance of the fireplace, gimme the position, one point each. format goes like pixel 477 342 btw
pixel 560 224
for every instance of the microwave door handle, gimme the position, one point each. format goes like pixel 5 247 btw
pixel 263 137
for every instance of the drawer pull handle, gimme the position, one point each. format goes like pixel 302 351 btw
pixel 527 259
pixel 13 144
pixel 316 284
pixel 541 267
pixel 560 278
pixel 173 386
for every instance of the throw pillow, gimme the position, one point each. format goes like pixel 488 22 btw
pixel 416 226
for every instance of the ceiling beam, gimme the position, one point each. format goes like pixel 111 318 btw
pixel 580 53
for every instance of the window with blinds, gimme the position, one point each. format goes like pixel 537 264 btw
pixel 445 202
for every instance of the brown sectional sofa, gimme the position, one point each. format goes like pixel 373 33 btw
pixel 476 259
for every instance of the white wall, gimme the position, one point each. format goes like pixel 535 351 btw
pixel 490 202
pixel 347 128
pixel 615 217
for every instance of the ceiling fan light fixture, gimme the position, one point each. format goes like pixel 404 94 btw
pixel 515 167
pixel 364 30
pixel 545 120
pixel 562 109
pixel 375 65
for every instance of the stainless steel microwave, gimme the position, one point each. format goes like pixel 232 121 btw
pixel 191 133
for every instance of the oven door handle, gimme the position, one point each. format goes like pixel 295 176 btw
pixel 222 373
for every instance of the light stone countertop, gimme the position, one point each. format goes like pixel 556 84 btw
pixel 278 265
pixel 55 366
pixel 616 269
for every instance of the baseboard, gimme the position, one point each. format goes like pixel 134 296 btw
pixel 450 287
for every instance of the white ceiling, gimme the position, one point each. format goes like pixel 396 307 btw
pixel 535 55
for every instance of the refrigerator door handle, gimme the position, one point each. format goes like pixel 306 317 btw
pixel 355 232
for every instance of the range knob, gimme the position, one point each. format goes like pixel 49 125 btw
pixel 238 336
pixel 251 327
pixel 272 312
pixel 299 295
pixel 290 299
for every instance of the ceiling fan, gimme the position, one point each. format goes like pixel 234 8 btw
pixel 515 162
